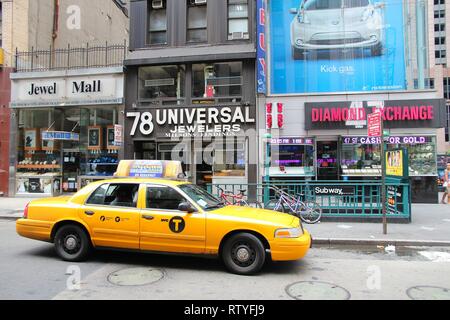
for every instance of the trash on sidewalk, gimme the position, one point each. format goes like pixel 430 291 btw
pixel 390 248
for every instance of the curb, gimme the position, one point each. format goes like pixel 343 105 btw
pixel 380 242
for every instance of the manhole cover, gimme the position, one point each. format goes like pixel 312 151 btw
pixel 135 276
pixel 428 293
pixel 317 290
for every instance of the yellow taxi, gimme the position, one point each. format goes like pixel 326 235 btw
pixel 159 215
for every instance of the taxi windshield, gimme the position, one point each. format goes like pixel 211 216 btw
pixel 204 199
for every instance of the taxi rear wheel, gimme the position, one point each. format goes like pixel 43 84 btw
pixel 243 254
pixel 72 243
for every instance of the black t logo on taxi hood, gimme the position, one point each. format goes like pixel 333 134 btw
pixel 177 224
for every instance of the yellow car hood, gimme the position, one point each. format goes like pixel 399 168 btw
pixel 258 215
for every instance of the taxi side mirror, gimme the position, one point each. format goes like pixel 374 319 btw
pixel 186 207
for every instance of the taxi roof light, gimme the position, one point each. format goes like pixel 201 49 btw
pixel 161 169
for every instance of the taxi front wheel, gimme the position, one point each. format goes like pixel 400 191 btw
pixel 243 254
pixel 72 243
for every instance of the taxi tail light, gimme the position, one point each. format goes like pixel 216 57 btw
pixel 25 212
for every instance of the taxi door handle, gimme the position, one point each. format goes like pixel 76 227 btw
pixel 89 213
pixel 146 217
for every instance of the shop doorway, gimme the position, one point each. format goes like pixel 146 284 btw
pixel 204 158
pixel 327 161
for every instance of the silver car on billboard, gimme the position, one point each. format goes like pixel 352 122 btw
pixel 337 25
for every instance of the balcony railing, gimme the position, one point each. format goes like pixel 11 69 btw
pixel 71 58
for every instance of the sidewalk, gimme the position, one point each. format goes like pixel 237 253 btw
pixel 12 208
pixel 430 227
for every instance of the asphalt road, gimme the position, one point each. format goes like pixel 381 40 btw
pixel 31 270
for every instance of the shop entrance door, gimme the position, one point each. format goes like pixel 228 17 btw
pixel 327 160
pixel 145 150
pixel 203 161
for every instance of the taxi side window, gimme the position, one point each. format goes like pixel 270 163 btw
pixel 162 197
pixel 116 194
pixel 98 196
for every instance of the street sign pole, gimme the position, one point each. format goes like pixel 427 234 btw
pixel 383 177
pixel 375 128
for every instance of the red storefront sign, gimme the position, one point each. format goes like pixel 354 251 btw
pixel 374 124
pixel 428 113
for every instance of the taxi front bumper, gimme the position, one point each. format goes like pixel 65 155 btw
pixel 290 249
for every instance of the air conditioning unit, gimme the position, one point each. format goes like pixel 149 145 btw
pixel 157 4
pixel 198 2
pixel 238 36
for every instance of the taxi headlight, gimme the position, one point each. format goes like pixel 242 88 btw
pixel 289 233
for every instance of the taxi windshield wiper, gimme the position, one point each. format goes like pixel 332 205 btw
pixel 217 206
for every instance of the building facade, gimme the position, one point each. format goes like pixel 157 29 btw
pixel 191 87
pixel 331 64
pixel 63 129
pixel 44 42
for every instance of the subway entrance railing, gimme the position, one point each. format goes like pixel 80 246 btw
pixel 338 199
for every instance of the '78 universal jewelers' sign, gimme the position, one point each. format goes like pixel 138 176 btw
pixel 191 122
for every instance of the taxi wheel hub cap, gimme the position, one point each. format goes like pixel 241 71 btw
pixel 71 243
pixel 243 254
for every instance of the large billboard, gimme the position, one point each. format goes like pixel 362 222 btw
pixel 336 46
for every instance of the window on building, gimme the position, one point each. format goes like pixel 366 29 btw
pixel 222 79
pixel 162 82
pixel 437 2
pixel 197 21
pixel 429 83
pixel 238 19
pixel 439 41
pixel 447 88
pixel 439 14
pixel 229 158
pixel 439 27
pixel 157 24
pixel 439 54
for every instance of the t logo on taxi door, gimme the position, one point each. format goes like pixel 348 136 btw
pixel 177 224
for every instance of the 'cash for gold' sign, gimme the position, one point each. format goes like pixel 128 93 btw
pixel 397 163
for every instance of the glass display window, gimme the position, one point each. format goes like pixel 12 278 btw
pixel 39 162
pixel 99 153
pixel 422 154
pixel 230 159
pixel 360 159
pixel 292 156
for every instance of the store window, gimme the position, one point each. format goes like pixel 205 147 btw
pixel 39 163
pixel 163 83
pixel 157 24
pixel 197 30
pixel 361 159
pixel 98 151
pixel 219 80
pixel 292 157
pixel 238 19
pixel 422 154
pixel 229 159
